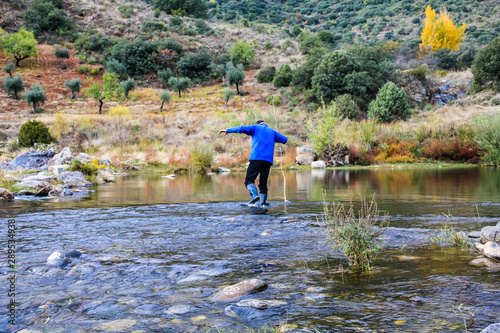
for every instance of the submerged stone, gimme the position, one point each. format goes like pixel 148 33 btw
pixel 116 325
pixel 57 259
pixel 238 290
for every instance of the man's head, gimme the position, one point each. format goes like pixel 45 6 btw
pixel 260 122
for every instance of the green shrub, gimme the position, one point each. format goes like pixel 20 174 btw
pixel 488 140
pixel 201 159
pixel 114 66
pixel 171 46
pixel 84 69
pixel 164 76
pixel 268 45
pixel 202 27
pixel 242 52
pixel 355 236
pixel 486 67
pixel 346 107
pixel 195 66
pixel 196 8
pixel 448 59
pixel 9 68
pixel 33 132
pixel 228 94
pixel 136 56
pixel 283 76
pixel 390 105
pixel 176 21
pixel 36 96
pixel 266 74
pixel 92 60
pixel 75 86
pixel 179 84
pixel 128 86
pixel 95 71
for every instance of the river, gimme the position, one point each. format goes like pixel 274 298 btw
pixel 156 249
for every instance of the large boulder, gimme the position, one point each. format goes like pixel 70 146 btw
pixel 64 157
pixel 318 165
pixel 493 328
pixel 305 155
pixel 6 195
pixel 74 179
pixel 238 290
pixel 33 160
pixel 36 180
pixel 490 233
pixel 492 250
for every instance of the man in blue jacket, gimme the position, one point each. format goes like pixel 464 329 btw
pixel 261 157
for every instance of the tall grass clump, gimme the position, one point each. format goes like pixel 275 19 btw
pixel 355 236
pixel 90 170
pixel 488 140
pixel 449 235
pixel 201 159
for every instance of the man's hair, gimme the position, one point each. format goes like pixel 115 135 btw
pixel 260 122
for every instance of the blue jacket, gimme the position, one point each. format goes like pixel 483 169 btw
pixel 263 139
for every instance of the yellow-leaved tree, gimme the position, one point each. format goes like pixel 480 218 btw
pixel 440 32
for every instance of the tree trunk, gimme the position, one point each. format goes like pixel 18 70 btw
pixel 161 107
pixel 34 108
pixel 223 80
pixel 72 94
pixel 179 94
pixel 225 104
pixel 101 102
pixel 237 89
pixel 18 59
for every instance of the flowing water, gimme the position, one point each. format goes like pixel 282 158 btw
pixel 156 249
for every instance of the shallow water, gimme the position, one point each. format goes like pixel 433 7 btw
pixel 150 243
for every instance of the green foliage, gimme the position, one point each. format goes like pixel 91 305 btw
pixel 176 21
pixel 20 45
pixel 84 69
pixel 9 68
pixel 486 67
pixel 448 235
pixel 302 75
pixel 153 26
pixel 296 30
pixel 62 53
pixel 228 94
pixel 390 105
pixel 447 59
pixel 488 140
pixel 44 16
pixel 90 170
pixel 36 96
pixel 329 76
pixel 112 89
pixel 114 66
pixel 326 37
pixel 33 132
pixel 466 54
pixel 321 130
pixel 164 76
pixel 196 8
pixel 14 85
pixel 283 76
pixel 165 98
pixel 137 56
pixel 171 46
pixel 242 53
pixel 195 65
pixel 201 159
pixel 202 27
pixel 346 107
pixel 355 236
pixel 235 75
pixel 128 86
pixel 95 43
pixel 266 74
pixel 75 86
pixel 179 84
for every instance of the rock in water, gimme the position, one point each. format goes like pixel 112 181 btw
pixel 492 250
pixel 74 179
pixel 238 290
pixel 491 233
pixel 33 160
pixel 6 195
pixel 73 254
pixel 493 328
pixel 116 325
pixel 64 157
pixel 56 259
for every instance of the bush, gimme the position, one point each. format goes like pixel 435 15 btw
pixel 164 76
pixel 114 66
pixel 9 68
pixel 355 236
pixel 84 69
pixel 283 76
pixel 14 85
pixel 171 46
pixel 35 96
pixel 128 86
pixel 448 59
pixel 202 27
pixel 486 67
pixel 346 107
pixel 33 132
pixel 488 140
pixel 176 21
pixel 95 71
pixel 196 8
pixel 266 74
pixel 75 86
pixel 136 56
pixel 390 105
pixel 119 110
pixel 201 159
pixel 195 66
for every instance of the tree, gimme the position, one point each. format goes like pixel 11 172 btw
pixel 329 76
pixel 242 53
pixel 137 56
pixel 179 84
pixel 35 96
pixel 196 8
pixel 235 75
pixel 486 67
pixel 266 74
pixel 75 86
pixel 219 70
pixel 96 91
pixel 14 85
pixel 228 94
pixel 20 45
pixel 195 65
pixel 9 68
pixel 390 105
pixel 165 98
pixel 164 76
pixel 48 16
pixel 62 54
pixel 128 86
pixel 346 107
pixel 114 66
pixel 112 89
pixel 440 32
pixel 283 76
pixel 33 132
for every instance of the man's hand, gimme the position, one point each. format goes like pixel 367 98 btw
pixel 223 131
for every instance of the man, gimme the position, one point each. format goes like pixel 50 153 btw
pixel 261 157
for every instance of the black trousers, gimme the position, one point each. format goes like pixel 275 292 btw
pixel 258 167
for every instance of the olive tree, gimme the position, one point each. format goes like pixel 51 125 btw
pixel 179 84
pixel 9 68
pixel 36 96
pixel 128 86
pixel 235 75
pixel 165 98
pixel 75 86
pixel 62 54
pixel 20 45
pixel 14 85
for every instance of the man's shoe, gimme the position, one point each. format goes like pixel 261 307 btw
pixel 252 189
pixel 263 198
